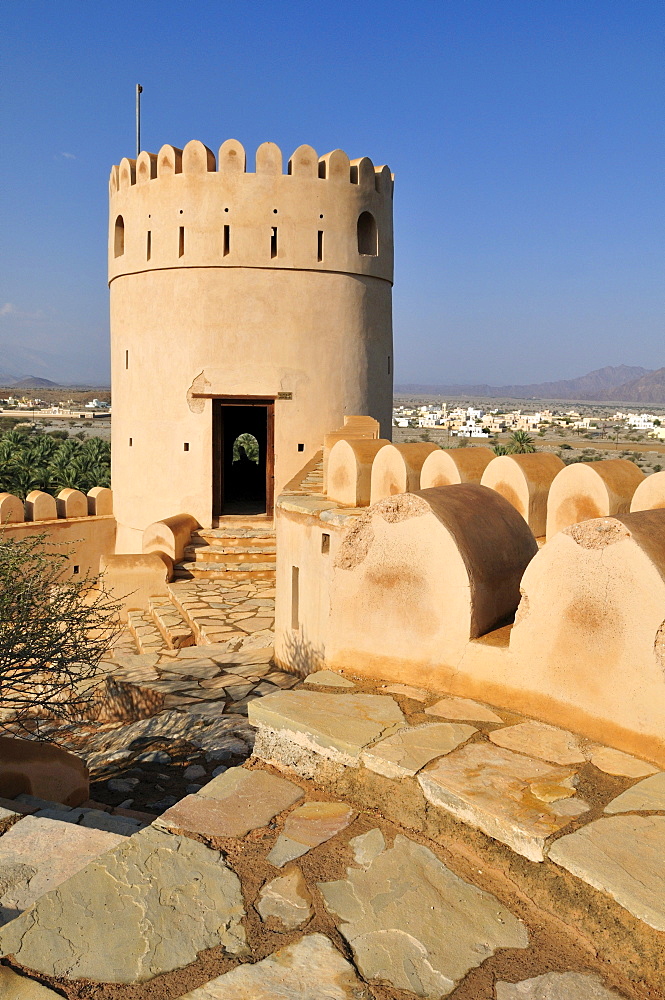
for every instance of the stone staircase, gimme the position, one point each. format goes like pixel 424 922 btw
pixel 239 549
pixel 161 628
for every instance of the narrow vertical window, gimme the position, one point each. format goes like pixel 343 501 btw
pixel 131 442
pixel 227 240
pixel 273 241
pixel 295 597
pixel 325 543
pixel 126 359
pixel 181 242
pixel 148 246
pixel 368 240
pixel 319 251
pixel 119 237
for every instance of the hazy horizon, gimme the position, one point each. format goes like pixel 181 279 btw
pixel 526 140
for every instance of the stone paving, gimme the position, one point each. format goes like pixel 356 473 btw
pixel 368 849
pixel 235 614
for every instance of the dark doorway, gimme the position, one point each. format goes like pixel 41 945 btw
pixel 242 457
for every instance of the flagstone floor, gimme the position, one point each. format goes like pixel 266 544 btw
pixel 254 836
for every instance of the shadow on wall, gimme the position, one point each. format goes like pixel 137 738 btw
pixel 300 655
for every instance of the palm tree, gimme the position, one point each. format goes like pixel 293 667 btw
pixel 520 443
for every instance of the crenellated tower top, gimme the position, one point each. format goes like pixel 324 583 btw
pixel 182 208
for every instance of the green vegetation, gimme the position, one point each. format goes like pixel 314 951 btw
pixel 519 443
pixel 37 461
pixel 54 630
pixel 249 443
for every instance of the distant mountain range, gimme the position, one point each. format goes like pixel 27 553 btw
pixel 621 384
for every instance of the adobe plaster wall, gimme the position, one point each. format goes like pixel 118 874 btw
pixel 83 539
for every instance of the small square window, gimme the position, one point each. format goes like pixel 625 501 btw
pixel 77 570
pixel 185 446
pixel 301 447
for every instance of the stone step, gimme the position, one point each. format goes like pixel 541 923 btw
pixel 215 553
pixel 223 571
pixel 233 541
pixel 172 625
pixel 147 636
pixel 264 531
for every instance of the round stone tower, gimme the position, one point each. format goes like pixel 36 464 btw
pixel 241 304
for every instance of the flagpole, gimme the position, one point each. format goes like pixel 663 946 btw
pixel 139 91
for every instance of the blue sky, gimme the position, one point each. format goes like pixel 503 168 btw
pixel 526 137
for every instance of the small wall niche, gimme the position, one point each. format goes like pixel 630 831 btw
pixel 325 543
pixel 185 446
pixel 295 598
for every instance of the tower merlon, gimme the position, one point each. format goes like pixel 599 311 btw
pixel 188 208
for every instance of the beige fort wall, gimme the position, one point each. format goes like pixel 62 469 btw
pixel 210 313
pixel 83 525
pixel 424 587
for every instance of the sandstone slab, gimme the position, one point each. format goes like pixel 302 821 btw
pixel 645 796
pixel 616 762
pixel 556 986
pixel 38 854
pixel 407 751
pixel 328 678
pixel 308 826
pixel 336 726
pixel 287 899
pixel 232 804
pixel 15 987
pixel 143 909
pixel 310 969
pixel 407 691
pixel 501 793
pixel 624 857
pixel 415 924
pixel 536 739
pixel 464 709
pixel 367 846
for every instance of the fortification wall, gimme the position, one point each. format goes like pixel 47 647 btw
pixel 212 304
pixel 83 537
pixel 446 588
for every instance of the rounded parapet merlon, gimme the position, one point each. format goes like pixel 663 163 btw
pixel 588 490
pixel 303 162
pixel 185 208
pixel 126 173
pixel 232 157
pixel 146 167
pixel 11 509
pixel 269 159
pixel 650 494
pixel 197 158
pixel 169 161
